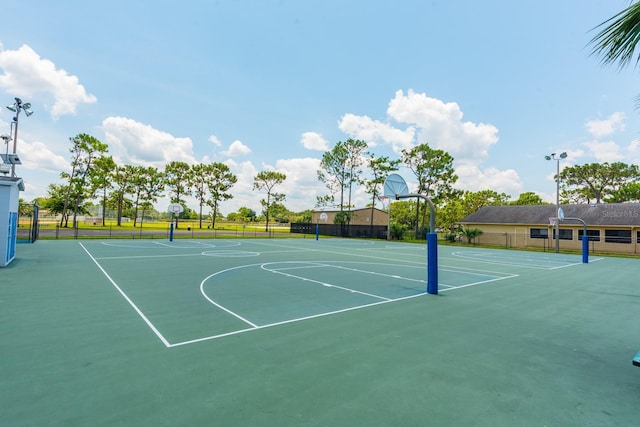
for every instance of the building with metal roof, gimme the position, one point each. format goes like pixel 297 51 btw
pixel 610 227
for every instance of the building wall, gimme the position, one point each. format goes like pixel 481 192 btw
pixel 519 236
pixel 359 217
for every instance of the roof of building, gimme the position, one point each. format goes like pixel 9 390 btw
pixel 624 214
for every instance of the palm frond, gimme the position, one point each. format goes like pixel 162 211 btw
pixel 616 42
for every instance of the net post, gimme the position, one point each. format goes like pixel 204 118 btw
pixel 432 263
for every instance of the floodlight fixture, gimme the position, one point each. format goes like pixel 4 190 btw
pixel 552 156
pixel 16 107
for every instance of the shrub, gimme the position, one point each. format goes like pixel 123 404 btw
pixel 397 231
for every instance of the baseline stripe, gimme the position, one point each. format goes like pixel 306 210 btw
pixel 131 303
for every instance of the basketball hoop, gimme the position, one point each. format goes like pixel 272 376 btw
pixel 175 208
pixel 553 220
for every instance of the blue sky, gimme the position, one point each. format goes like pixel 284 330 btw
pixel 272 84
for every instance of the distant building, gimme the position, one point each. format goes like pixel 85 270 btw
pixel 358 217
pixel 611 227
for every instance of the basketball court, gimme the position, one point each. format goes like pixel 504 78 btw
pixel 315 332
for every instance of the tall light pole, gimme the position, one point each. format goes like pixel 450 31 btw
pixel 562 155
pixel 16 107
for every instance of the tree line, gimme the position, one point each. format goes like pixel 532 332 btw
pixel 95 174
pixel 349 164
pixel 345 168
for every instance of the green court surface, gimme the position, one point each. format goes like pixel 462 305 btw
pixel 299 332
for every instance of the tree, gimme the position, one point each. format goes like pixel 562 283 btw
pixel 266 181
pixel 435 174
pixel 177 176
pixel 246 214
pixel 380 168
pixel 339 169
pixel 280 213
pixel 100 177
pixel 123 180
pixel 219 179
pixel 629 192
pixel 457 208
pixel 528 198
pixel 304 216
pixel 198 180
pixel 472 233
pixel 84 151
pixel 151 185
pixel 24 208
pixel 403 213
pixel 138 189
pixel 596 182
pixel 54 203
pixel 616 42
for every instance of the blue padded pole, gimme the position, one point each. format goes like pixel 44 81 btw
pixel 317 231
pixel 432 263
pixel 585 248
pixel 171 230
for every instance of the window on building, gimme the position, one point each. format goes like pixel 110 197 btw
pixel 617 236
pixel 637 236
pixel 540 233
pixel 592 235
pixel 565 234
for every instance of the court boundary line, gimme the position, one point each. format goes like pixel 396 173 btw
pixel 298 319
pixel 126 297
pixel 457 254
pixel 254 327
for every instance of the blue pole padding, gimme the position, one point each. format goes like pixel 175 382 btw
pixel 585 248
pixel 432 263
pixel 171 232
pixel 317 231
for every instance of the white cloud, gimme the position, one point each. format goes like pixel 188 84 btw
pixel 302 185
pixel 472 178
pixel 40 158
pixel 634 151
pixel 606 127
pixel 236 149
pixel 243 189
pixel 314 141
pixel 27 74
pixel 373 131
pixel 132 142
pixel 214 139
pixel 607 151
pixel 442 127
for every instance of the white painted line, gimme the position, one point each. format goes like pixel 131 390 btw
pixel 204 294
pixel 284 322
pixel 148 256
pixel 135 307
pixel 323 283
pixel 479 283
